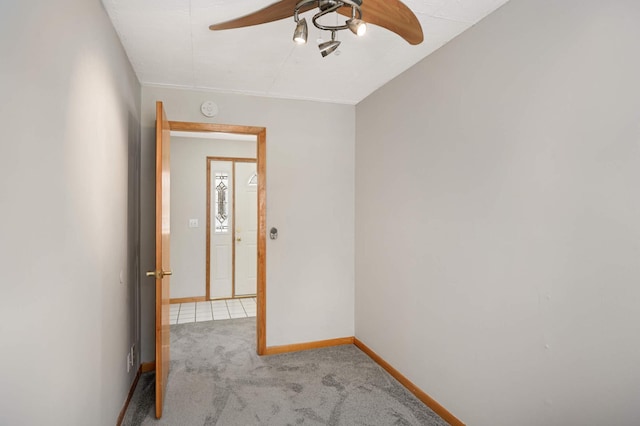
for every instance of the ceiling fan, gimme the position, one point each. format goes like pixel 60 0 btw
pixel 390 14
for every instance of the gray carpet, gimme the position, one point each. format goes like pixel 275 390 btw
pixel 217 379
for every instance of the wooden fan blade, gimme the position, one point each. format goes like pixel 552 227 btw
pixel 275 12
pixel 392 15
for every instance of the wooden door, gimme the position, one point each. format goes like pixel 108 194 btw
pixel 163 269
pixel 246 228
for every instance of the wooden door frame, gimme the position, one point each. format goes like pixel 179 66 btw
pixel 261 167
pixel 233 161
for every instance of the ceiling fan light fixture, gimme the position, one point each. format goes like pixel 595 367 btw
pixel 328 47
pixel 357 26
pixel 392 15
pixel 301 33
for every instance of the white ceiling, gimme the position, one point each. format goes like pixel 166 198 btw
pixel 169 43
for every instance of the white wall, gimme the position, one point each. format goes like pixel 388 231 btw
pixel 498 217
pixel 70 114
pixel 310 199
pixel 189 201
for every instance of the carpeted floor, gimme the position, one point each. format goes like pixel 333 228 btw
pixel 217 379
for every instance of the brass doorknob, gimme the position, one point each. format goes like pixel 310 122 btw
pixel 158 274
pixel 238 239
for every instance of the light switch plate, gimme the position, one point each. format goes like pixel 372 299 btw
pixel 193 223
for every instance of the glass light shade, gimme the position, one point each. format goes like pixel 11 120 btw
pixel 328 47
pixel 301 32
pixel 357 26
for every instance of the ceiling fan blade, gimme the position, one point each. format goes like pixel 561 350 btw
pixel 275 12
pixel 392 15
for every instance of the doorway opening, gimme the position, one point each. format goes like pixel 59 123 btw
pixel 253 251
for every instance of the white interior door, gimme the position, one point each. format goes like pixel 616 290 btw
pixel 221 229
pixel 246 228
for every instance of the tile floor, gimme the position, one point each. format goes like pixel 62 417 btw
pixel 214 310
